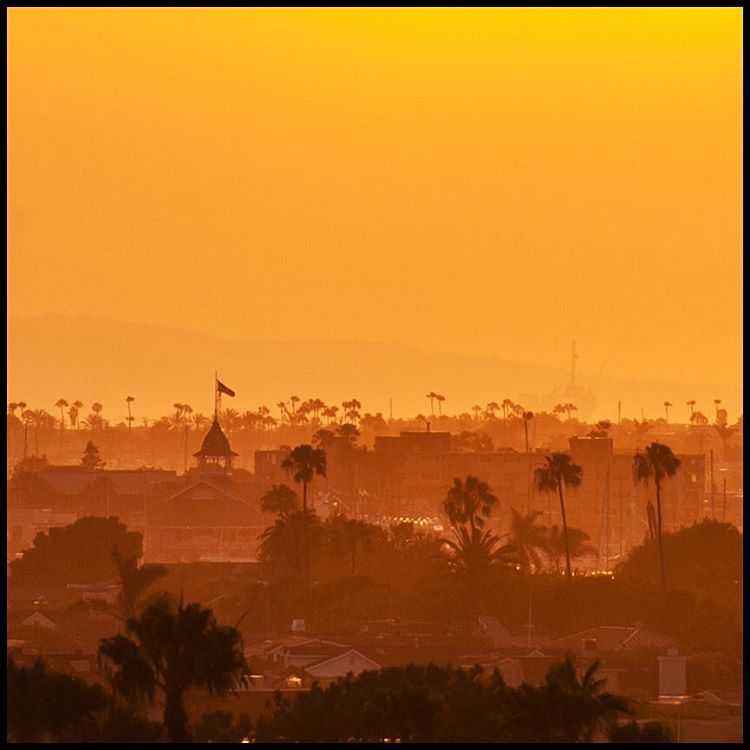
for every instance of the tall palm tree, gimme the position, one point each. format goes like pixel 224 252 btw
pixel 527 417
pixel 717 401
pixel 657 461
pixel 490 409
pixel 477 411
pixel 667 404
pixel 560 469
pixel 529 540
pixel 506 406
pixel 129 400
pixel 98 421
pixel 303 463
pixel 468 501
pixel 440 398
pixel 61 404
pixel 432 396
pixel 73 413
pixel 280 499
pixel 171 649
pixel 558 409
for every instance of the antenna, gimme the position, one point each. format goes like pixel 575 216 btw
pixel 574 357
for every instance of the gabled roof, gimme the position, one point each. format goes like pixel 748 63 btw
pixel 202 504
pixel 341 664
pixel 215 444
pixel 615 638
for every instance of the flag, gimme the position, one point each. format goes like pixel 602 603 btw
pixel 223 389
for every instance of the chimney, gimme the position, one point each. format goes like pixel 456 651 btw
pixel 672 674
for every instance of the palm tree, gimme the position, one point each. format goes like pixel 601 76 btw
pixel 129 400
pixel 717 401
pixel 575 709
pixel 172 649
pixel 699 418
pixel 558 409
pixel 570 408
pixel 667 404
pixel 468 501
pixel 74 411
pixel 439 398
pixel 527 417
pixel 691 404
pixel 560 470
pixel 490 409
pixel 529 539
pixel 280 499
pixel 477 411
pixel 351 410
pixel 330 413
pixel 432 396
pixel 349 432
pixel 12 406
pixel 134 581
pixel 657 461
pixel 506 406
pixel 61 403
pixel 304 462
pixel 577 544
pixel 349 535
pixel 200 420
pixel 284 547
pixel 475 554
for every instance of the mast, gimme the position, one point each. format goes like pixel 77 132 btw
pixel 217 396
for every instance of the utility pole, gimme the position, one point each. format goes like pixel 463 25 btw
pixel 619 411
pixel 725 501
pixel 390 405
pixel 713 487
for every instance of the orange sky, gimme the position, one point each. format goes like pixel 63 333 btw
pixel 490 181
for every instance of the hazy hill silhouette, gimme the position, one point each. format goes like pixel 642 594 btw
pixel 103 360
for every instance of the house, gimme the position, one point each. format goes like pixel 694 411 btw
pixel 38 620
pixel 612 639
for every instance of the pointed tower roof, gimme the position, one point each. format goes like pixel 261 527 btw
pixel 215 444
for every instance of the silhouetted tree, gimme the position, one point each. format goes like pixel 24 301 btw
pixel 61 404
pixel 285 546
pixel 560 469
pixel 171 649
pixel 303 463
pixel 78 553
pixel 468 501
pixel 280 499
pixel 91 458
pixel 49 706
pixel 657 462
pixel 529 540
pixel 348 536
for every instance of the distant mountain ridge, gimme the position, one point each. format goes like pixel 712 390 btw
pixel 93 359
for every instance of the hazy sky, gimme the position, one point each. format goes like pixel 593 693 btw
pixel 477 181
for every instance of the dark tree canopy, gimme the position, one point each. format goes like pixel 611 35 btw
pixel 705 558
pixel 44 705
pixel 78 553
pixel 442 704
